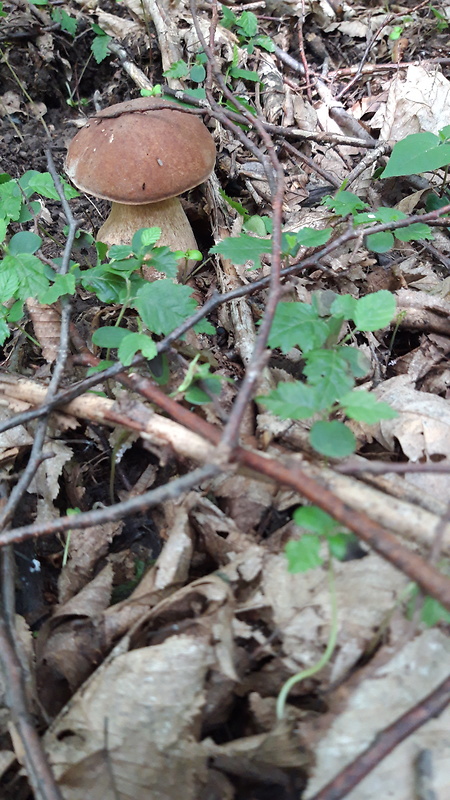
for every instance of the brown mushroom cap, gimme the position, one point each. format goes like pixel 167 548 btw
pixel 133 153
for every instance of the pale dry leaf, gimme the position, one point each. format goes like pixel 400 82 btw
pixel 394 688
pixel 422 428
pixel 9 103
pixel 301 608
pixel 46 321
pixel 132 730
pixel 86 548
pixel 46 480
pixel 415 103
pixel 118 26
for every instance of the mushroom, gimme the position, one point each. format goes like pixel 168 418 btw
pixel 140 155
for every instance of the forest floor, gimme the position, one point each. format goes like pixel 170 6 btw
pixel 227 515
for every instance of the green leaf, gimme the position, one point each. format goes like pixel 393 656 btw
pixel 332 439
pixel 4 331
pixel 3 229
pixel 255 224
pixel 248 23
pixel 99 47
pixel 295 400
pixel 179 69
pixel 381 214
pixel 163 305
pixel 205 327
pixel 329 372
pixel 297 324
pixel 199 93
pixel 195 394
pixel 314 519
pixel 63 284
pixel 344 203
pixel 233 203
pixel 10 200
pixel 42 183
pixel 109 336
pixel 364 407
pixel 133 343
pixel 198 73
pixel 358 362
pixel 380 242
pixel 310 237
pixel 374 311
pixel 265 42
pixel 30 273
pixel 303 555
pixel 339 544
pixel 419 152
pixel 244 74
pixel 243 248
pixel 433 612
pixel 163 260
pixel 66 22
pixel 24 242
pixel 9 280
pixel 228 17
pixel 414 232
pixel 343 306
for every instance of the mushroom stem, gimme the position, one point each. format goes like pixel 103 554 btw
pixel 125 220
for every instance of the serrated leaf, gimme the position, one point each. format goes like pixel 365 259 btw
pixel 30 273
pixel 248 22
pixel 9 280
pixel 304 554
pixel 243 248
pixel 163 260
pixel 364 407
pixel 133 343
pixel 375 311
pixel 179 69
pixel 163 305
pixel 42 183
pixel 66 22
pixel 328 371
pixel 99 47
pixel 10 200
pixel 63 284
pixel 297 324
pixel 295 400
pixel 414 232
pixel 416 153
pixel 344 203
pixel 332 439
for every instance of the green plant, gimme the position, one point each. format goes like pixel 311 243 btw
pixel 331 366
pixel 303 555
pixel 246 28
